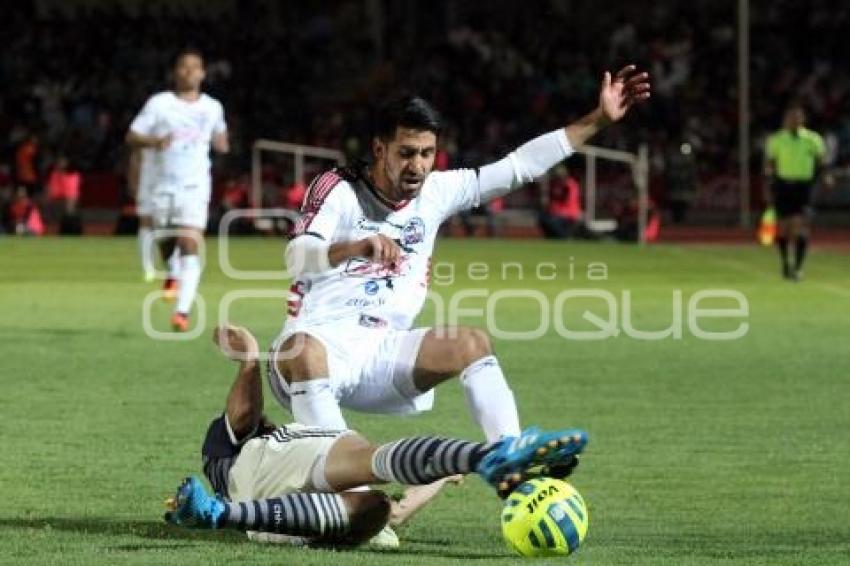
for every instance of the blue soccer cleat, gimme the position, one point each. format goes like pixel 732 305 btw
pixel 192 506
pixel 517 458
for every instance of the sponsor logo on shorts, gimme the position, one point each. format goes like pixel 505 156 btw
pixel 372 321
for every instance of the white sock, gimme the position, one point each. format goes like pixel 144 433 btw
pixel 174 264
pixel 145 241
pixel 490 400
pixel 190 276
pixel 313 403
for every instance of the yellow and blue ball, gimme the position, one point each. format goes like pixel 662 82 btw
pixel 544 517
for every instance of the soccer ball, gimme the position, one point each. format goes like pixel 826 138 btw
pixel 544 517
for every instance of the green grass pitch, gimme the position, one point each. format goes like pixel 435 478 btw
pixel 701 451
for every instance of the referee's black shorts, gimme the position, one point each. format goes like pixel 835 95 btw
pixel 791 198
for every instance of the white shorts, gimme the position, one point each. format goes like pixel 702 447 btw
pixel 371 369
pixel 144 200
pixel 281 463
pixel 175 207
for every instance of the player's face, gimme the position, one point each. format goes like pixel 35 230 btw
pixel 189 72
pixel 406 160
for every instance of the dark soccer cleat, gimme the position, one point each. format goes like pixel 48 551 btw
pixel 192 506
pixel 528 455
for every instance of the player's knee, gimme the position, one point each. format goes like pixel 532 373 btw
pixel 302 358
pixel 188 245
pixel 368 513
pixel 474 344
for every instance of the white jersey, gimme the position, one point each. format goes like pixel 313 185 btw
pixel 147 168
pixel 341 206
pixel 186 161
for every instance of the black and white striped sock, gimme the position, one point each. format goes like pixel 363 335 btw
pixel 425 459
pixel 300 514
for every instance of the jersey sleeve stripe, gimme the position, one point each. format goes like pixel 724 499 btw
pixel 319 190
pixel 316 195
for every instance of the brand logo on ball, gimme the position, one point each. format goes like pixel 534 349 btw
pixel 371 287
pixel 413 231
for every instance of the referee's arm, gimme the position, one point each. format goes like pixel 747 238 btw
pixel 823 173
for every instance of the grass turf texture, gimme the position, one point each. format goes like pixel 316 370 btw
pixel 699 451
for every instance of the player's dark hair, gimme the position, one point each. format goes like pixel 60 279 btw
pixel 187 52
pixel 406 111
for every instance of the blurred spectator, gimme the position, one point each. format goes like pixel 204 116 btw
pixel 24 216
pixel 63 185
pixel 63 193
pixel 293 195
pixel 563 213
pixel 628 223
pixel 235 196
pixel 26 167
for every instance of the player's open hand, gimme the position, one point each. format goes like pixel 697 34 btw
pixel 237 343
pixel 383 250
pixel 620 92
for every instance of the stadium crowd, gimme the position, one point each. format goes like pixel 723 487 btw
pixel 306 73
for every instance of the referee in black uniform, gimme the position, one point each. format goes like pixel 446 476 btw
pixel 793 156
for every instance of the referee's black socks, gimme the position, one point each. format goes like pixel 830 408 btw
pixel 782 246
pixel 800 252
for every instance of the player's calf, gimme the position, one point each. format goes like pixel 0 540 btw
pixel 503 464
pixel 318 516
pixel 446 352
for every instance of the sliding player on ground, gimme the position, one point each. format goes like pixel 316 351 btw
pixel 293 479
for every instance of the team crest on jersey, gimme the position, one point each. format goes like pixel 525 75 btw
pixel 413 231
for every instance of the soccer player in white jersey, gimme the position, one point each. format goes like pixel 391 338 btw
pixel 360 260
pixel 181 126
pixel 141 176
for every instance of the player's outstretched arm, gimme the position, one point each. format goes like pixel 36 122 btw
pixel 617 94
pixel 245 400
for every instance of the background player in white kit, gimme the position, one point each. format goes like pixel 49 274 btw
pixel 360 257
pixel 141 177
pixel 181 126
